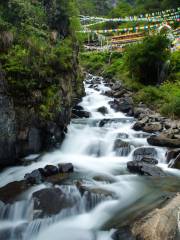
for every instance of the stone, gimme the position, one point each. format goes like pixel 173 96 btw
pixel 119 94
pixel 50 170
pixel 144 168
pixel 152 127
pixel 144 152
pixel 80 113
pixel 164 141
pixel 121 148
pixel 150 160
pixel 66 167
pixel 172 154
pixel 102 110
pixel 50 201
pixel 138 126
pixel 35 177
pixel 176 163
pixel 161 223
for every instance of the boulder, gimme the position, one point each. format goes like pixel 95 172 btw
pixel 138 126
pixel 175 163
pixel 102 110
pixel 149 160
pixel 164 141
pixel 66 167
pixel 80 113
pixel 144 152
pixel 172 154
pixel 50 201
pixel 153 127
pixel 122 105
pixel 159 224
pixel 119 94
pixel 50 170
pixel 116 86
pixel 144 168
pixel 35 177
pixel 121 148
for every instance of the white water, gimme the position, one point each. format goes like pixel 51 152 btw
pixel 90 149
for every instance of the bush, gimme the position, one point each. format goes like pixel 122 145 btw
pixel 145 60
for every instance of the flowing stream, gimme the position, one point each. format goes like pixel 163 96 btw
pixel 89 148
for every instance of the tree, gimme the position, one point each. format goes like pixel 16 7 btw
pixel 145 60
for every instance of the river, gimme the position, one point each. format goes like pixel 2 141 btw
pixel 89 148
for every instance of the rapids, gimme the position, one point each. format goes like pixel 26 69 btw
pixel 90 149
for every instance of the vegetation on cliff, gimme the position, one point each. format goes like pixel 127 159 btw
pixel 39 45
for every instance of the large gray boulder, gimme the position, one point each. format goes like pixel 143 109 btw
pixel 50 201
pixel 164 141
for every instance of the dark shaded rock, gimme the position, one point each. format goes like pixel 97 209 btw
pixel 175 163
pixel 144 168
pixel 172 154
pixel 50 201
pixel 141 135
pixel 121 148
pixel 138 126
pixel 150 160
pixel 80 113
pixel 163 141
pixel 105 121
pixel 144 152
pixel 78 108
pixel 102 110
pixel 65 167
pixel 123 233
pixel 50 170
pixel 35 177
pixel 10 192
pixel 116 86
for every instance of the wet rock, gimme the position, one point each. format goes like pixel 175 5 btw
pixel 66 167
pixel 78 108
pixel 123 233
pixel 150 160
pixel 104 178
pixel 144 152
pixel 159 224
pixel 122 105
pixel 163 141
pixel 175 163
pixel 35 177
pixel 50 170
pixel 144 168
pixel 102 110
pixel 152 127
pixel 141 135
pixel 80 113
pixel 105 121
pixel 50 201
pixel 10 192
pixel 121 148
pixel 138 126
pixel 172 154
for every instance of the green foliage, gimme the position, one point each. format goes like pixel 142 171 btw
pixel 34 62
pixel 145 60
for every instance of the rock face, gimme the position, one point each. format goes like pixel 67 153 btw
pixel 160 223
pixel 35 110
pixel 50 201
pixel 7 125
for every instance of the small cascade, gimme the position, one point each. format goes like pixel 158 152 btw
pixel 101 187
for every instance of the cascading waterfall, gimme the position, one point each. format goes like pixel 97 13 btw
pixel 90 148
